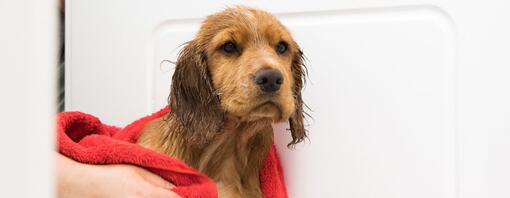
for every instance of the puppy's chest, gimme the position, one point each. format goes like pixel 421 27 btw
pixel 235 158
pixel 236 150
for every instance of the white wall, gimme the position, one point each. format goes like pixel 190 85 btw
pixel 28 55
pixel 409 97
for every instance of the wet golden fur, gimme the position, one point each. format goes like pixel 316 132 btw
pixel 220 121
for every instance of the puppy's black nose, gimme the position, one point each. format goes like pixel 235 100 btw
pixel 269 80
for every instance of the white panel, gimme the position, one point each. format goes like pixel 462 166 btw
pixel 381 96
pixel 163 47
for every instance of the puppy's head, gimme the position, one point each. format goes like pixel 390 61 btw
pixel 242 63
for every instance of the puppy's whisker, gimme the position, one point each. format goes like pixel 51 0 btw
pixel 168 61
pixel 166 68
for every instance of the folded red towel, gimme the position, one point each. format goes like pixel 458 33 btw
pixel 84 138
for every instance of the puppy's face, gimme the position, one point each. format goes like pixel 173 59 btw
pixel 250 62
pixel 242 63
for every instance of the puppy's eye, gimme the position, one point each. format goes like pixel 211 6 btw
pixel 281 47
pixel 229 48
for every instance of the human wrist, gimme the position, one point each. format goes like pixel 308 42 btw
pixel 73 176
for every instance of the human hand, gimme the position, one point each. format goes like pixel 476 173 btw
pixel 84 180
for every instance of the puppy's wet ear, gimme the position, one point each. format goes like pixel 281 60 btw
pixel 192 96
pixel 296 121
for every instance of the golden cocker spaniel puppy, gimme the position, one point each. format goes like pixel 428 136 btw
pixel 242 72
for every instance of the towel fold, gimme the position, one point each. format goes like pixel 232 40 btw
pixel 84 138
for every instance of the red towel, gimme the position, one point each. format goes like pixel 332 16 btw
pixel 84 138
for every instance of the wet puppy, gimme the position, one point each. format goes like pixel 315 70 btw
pixel 242 72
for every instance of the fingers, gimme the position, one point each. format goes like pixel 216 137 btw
pixel 155 179
pixel 163 193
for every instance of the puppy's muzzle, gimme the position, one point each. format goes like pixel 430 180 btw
pixel 269 80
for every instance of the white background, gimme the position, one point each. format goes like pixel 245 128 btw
pixel 28 60
pixel 408 98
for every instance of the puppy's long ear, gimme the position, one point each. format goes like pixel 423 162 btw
pixel 192 96
pixel 296 121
